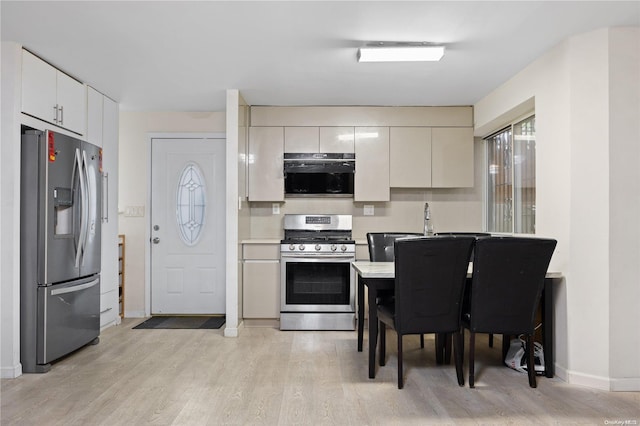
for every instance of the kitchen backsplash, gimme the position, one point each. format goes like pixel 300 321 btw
pixel 451 209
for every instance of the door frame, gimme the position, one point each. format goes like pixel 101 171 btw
pixel 147 232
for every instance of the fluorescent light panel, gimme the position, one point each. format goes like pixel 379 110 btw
pixel 400 54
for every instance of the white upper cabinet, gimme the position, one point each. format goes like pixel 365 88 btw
pixel 72 104
pixel 51 95
pixel 372 164
pixel 301 139
pixel 313 139
pixel 410 157
pixel 94 116
pixel 39 93
pixel 266 164
pixel 452 157
pixel 431 157
pixel 337 139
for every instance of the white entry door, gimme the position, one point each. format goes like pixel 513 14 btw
pixel 187 226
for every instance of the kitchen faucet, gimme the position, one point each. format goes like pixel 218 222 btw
pixel 428 226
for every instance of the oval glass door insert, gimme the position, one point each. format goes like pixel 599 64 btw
pixel 191 204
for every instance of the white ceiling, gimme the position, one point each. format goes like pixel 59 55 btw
pixel 182 56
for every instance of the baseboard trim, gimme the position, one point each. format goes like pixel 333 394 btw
pixel 631 384
pixel 231 332
pixel 11 372
pixel 134 314
pixel 268 323
pixel 588 380
pixel 561 373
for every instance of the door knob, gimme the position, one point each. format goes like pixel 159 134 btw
pixel 156 240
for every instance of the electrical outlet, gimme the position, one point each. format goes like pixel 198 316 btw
pixel 275 208
pixel 368 210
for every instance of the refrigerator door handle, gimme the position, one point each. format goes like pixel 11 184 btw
pixel 75 288
pixel 78 165
pixel 86 202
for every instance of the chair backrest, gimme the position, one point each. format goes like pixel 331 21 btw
pixel 466 234
pixel 381 244
pixel 508 277
pixel 430 274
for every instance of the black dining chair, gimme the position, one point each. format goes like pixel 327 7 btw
pixel 381 246
pixel 508 278
pixel 430 275
pixel 466 299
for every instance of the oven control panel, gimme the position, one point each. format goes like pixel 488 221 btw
pixel 318 248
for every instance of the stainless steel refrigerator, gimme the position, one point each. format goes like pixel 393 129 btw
pixel 60 247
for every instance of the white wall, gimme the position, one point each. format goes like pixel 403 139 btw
pixel 135 128
pixel 624 199
pixel 577 103
pixel 589 241
pixel 10 212
pixel 237 206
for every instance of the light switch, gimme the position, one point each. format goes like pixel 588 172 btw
pixel 368 210
pixel 275 208
pixel 134 211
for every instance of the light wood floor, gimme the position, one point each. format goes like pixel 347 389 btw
pixel 272 377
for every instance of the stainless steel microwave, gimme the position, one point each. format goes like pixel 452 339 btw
pixel 319 175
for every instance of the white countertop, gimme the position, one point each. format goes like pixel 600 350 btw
pixel 374 269
pixel 368 269
pixel 261 241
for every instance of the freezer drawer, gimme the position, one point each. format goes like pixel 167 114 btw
pixel 70 317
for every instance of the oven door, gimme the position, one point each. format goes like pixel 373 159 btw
pixel 317 283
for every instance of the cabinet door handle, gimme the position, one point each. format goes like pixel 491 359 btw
pixel 61 115
pixel 55 113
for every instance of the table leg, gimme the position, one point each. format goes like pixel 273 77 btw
pixel 547 327
pixel 360 312
pixel 373 330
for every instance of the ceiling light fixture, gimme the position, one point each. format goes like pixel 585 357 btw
pixel 400 52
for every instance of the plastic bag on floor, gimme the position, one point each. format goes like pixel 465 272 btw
pixel 517 360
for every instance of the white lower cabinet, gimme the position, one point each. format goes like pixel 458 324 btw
pixel 108 308
pixel 261 281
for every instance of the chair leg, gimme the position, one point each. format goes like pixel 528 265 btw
pixel 506 342
pixel 439 348
pixel 490 340
pixel 458 356
pixel 383 343
pixel 422 341
pixel 472 348
pixel 531 365
pixel 400 375
pixel 447 348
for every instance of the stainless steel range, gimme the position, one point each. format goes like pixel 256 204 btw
pixel 317 281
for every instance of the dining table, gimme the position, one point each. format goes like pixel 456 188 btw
pixel 380 276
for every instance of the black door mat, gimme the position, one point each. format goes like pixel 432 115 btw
pixel 182 322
